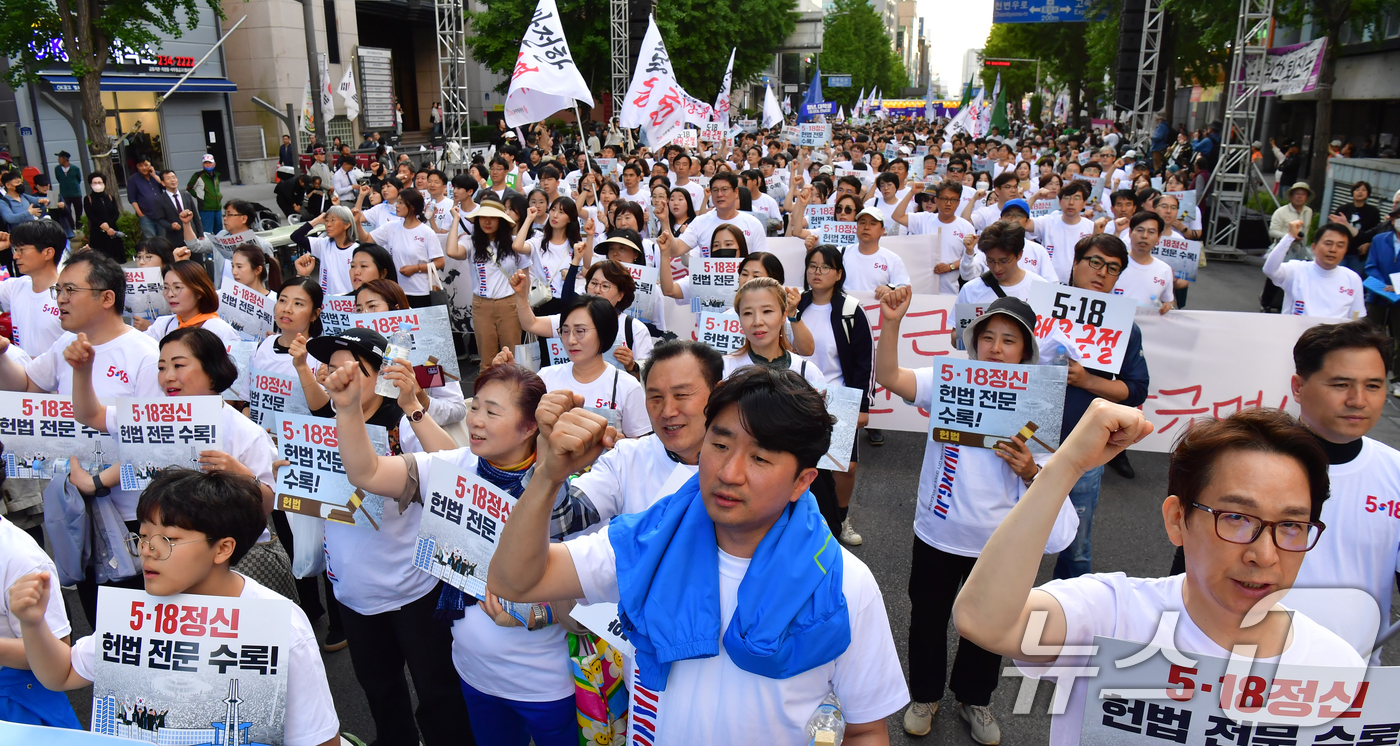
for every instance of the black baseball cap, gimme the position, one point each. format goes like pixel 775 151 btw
pixel 367 344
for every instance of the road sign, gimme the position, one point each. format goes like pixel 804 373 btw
pixel 838 81
pixel 1041 11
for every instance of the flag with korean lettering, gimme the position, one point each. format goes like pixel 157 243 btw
pixel 545 78
pixel 462 521
pixel 428 326
pixel 654 99
pixel 713 283
pixel 272 396
pixel 154 434
pixel 1150 694
pixel 978 404
pixel 145 294
pixel 185 669
pixel 1099 324
pixel 722 104
pixel 313 482
pixel 246 310
pixel 40 435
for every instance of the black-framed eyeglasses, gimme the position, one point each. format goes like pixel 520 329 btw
pixel 59 292
pixel 819 269
pixel 1243 528
pixel 1097 264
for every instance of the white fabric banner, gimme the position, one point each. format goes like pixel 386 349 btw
pixel 327 99
pixel 697 112
pixel 308 108
pixel 772 112
pixel 545 79
pixel 350 94
pixel 654 98
pixel 721 108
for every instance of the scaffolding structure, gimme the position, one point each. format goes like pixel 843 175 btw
pixel 1233 174
pixel 452 79
pixel 1149 59
pixel 621 75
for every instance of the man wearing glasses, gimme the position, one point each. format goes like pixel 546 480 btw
pixel 948 229
pixel 724 190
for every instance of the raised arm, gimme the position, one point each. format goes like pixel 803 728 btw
pixel 49 657
pixel 900 216
pixel 522 234
pixel 359 215
pixel 898 381
pixel 1273 264
pixel 316 397
pixel 520 283
pixel 366 469
pixel 454 248
pixel 86 408
pixel 12 375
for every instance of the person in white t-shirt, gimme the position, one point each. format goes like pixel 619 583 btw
pixel 1245 495
pixel 691 567
pixel 724 191
pixel 193 302
pixel 1004 189
pixel 1320 286
pixel 948 230
pixel 964 493
pixel 762 305
pixel 871 268
pixel 633 190
pixel 333 250
pixel 1060 232
pixel 494 259
pixel 25 699
pixel 412 242
pixel 763 204
pixel 997 250
pixel 214 520
pixel 681 168
pixel 34 315
pixel 1149 281
pixel 886 197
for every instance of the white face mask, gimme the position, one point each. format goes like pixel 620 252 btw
pixel 98 187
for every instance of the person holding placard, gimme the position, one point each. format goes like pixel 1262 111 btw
pixel 1320 286
pixel 445 404
pixel 1169 208
pixel 516 679
pixel 763 306
pixel 612 282
pixel 238 230
pixel 964 493
pixel 1149 281
pixel 298 318
pixel 254 269
pixel 998 249
pixel 194 528
pixel 155 252
pixel 34 314
pixel 193 302
pixel 947 228
pixel 552 248
pixel 1245 496
pixel 333 250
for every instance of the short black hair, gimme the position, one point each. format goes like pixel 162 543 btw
pixel 1337 228
pixel 1108 243
pixel 219 505
pixel 464 180
pixel 1075 186
pixel 711 362
pixel 1144 216
pixel 209 350
pixel 727 177
pixel 779 409
pixel 1315 343
pixel 381 258
pixel 1003 235
pixel 1006 177
pixel 41 234
pixel 1127 194
pixel 604 317
pixel 103 274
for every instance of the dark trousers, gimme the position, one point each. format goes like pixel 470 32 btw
pixel 87 587
pixel 380 645
pixel 1387 317
pixel 934 580
pixel 824 489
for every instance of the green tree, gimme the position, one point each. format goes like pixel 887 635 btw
pixel 1065 53
pixel 854 41
pixel 31 33
pixel 495 35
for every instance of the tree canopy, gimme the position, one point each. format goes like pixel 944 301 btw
pixel 854 42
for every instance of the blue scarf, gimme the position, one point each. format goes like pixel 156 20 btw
pixel 452 602
pixel 791 614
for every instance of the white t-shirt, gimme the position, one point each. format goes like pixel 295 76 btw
pixel 34 315
pixel 809 370
pixel 702 229
pixel 335 263
pixel 817 317
pixel 985 215
pixel 632 477
pixel 611 390
pixel 865 272
pixel 1309 290
pixel 711 700
pixel 964 493
pixel 948 244
pixel 1361 546
pixel 642 342
pixel 1147 284
pixel 509 662
pixel 20 555
pixel 892 228
pixel 488 279
pixel 766 205
pixel 1124 608
pixel 696 192
pixel 1060 238
pixel 549 262
pixel 164 325
pixel 1036 260
pixel 409 246
pixel 310 718
pixel 976 291
pixel 381 215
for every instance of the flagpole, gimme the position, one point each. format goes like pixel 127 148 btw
pixel 583 137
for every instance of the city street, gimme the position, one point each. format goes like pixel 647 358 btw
pixel 1128 538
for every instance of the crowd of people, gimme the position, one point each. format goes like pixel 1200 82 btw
pixel 676 480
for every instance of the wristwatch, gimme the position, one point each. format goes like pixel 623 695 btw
pixel 100 489
pixel 416 416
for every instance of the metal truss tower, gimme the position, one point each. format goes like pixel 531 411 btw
pixel 452 78
pixel 1149 60
pixel 1233 173
pixel 621 75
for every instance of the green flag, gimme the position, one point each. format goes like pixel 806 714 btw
pixel 999 113
pixel 967 96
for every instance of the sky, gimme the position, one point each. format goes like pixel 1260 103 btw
pixel 952 28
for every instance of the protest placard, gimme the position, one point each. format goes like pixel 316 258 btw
pixel 314 482
pixel 813 135
pixel 461 524
pixel 711 132
pixel 241 353
pixel 161 432
pixel 607 165
pixel 713 283
pixel 338 304
pixel 646 302
pixel 429 327
pixel 773 182
pixel 891 151
pixel 145 294
pixel 981 164
pixel 748 125
pixel 185 669
pixel 1186 201
pixel 839 233
pixel 1042 207
pixel 843 403
pixel 1098 323
pixel 246 310
pixel 819 215
pixel 720 330
pixel 965 313
pixel 40 435
pixel 790 134
pixel 688 138
pixel 271 395
pixel 866 176
pixel 528 354
pixel 943 165
pixel 979 403
pixel 1181 255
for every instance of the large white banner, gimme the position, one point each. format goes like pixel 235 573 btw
pixel 545 78
pixel 654 98
pixel 721 107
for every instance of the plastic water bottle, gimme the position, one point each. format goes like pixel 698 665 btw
pixel 827 726
pixel 1061 355
pixel 400 344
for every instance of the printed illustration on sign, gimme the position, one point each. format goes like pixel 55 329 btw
pixel 40 435
pixel 461 524
pixel 980 403
pixel 314 483
pixel 159 433
pixel 713 283
pixel 843 403
pixel 1098 323
pixel 432 335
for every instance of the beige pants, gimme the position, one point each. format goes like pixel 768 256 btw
pixel 497 325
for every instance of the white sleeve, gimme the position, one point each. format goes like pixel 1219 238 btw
pixel 971 267
pixel 603 484
pixel 868 678
pixel 146 382
pixel 43 370
pixel 83 656
pixel 899 275
pixel 635 422
pixel 446 404
pixel 7 289
pixel 596 566
pixel 1274 267
pixel 379 234
pixel 1358 303
pixel 641 341
pixel 760 241
pixel 310 717
pixel 923 388
pixel 1088 604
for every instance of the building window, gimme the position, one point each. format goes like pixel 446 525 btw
pixel 332 34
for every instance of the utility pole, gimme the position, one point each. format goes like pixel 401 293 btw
pixel 308 20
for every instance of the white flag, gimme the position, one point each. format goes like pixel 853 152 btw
pixel 841 116
pixel 349 93
pixel 721 110
pixel 860 102
pixel 879 105
pixel 327 99
pixel 654 99
pixel 772 112
pixel 980 115
pixel 308 109
pixel 697 112
pixel 545 79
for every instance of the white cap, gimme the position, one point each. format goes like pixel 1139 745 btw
pixel 1130 154
pixel 208 158
pixel 873 212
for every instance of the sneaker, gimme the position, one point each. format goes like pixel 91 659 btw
pixel 849 535
pixel 918 719
pixel 876 437
pixel 984 727
pixel 335 641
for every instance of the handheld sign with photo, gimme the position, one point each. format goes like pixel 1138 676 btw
pixel 720 331
pixel 1181 255
pixel 646 303
pixel 790 134
pixel 711 132
pixel 246 310
pixel 813 135
pixel 819 215
pixel 607 165
pixel 314 483
pixel 162 432
pixel 273 395
pixel 713 283
pixel 461 524
pixel 748 125
pixel 528 354
pixel 839 233
pixel 981 403
pixel 843 403
pixel 186 669
pixel 866 176
pixel 1186 212
pixel 145 294
pixel 40 435
pixel 431 332
pixel 241 353
pixel 1098 323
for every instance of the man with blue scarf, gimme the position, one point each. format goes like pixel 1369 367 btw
pixel 744 609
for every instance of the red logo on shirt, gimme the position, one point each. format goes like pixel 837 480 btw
pixel 50 310
pixel 120 375
pixel 1344 290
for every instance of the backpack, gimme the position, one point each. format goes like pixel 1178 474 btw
pixel 849 308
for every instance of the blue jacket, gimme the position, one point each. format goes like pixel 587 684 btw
pixel 1161 137
pixel 1133 373
pixel 1381 262
pixel 16 211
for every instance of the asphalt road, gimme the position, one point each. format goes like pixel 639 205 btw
pixel 1128 537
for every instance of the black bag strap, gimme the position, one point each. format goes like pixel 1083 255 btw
pixel 991 282
pixel 627 331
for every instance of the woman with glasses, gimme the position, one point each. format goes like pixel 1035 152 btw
pixel 845 209
pixel 239 217
pixel 193 303
pixel 156 251
pixel 193 362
